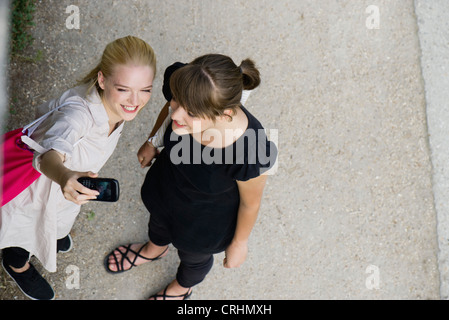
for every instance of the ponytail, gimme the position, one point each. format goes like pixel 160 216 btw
pixel 250 75
pixel 122 51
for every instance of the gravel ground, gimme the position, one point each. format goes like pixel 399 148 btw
pixel 349 213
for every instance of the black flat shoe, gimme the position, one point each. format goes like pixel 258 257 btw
pixel 65 244
pixel 31 283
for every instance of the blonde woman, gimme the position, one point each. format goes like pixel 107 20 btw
pixel 76 140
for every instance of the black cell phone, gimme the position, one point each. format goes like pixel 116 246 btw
pixel 108 188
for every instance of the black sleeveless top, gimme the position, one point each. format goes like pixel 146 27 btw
pixel 192 190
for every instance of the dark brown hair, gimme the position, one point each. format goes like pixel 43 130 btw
pixel 212 83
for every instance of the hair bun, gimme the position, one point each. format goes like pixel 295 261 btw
pixel 250 74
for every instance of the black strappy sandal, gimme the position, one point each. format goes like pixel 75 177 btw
pixel 119 264
pixel 164 295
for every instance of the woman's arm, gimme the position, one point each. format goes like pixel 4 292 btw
pixel 148 151
pixel 52 165
pixel 251 192
pixel 160 119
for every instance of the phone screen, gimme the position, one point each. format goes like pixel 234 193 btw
pixel 105 189
pixel 108 188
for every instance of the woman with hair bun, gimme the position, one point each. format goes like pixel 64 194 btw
pixel 205 188
pixel 76 137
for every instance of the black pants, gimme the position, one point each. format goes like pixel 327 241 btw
pixel 15 257
pixel 193 267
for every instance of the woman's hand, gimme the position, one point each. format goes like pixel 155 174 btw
pixel 75 191
pixel 235 254
pixel 146 154
pixel 250 193
pixel 52 165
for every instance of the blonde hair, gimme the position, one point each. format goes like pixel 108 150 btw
pixel 212 83
pixel 123 51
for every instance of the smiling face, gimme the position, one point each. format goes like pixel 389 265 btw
pixel 126 91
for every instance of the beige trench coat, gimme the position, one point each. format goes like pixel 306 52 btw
pixel 40 215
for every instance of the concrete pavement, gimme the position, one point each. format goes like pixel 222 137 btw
pixel 433 35
pixel 350 212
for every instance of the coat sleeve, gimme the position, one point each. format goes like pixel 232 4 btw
pixel 61 131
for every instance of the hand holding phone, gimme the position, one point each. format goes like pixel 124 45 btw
pixel 108 188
